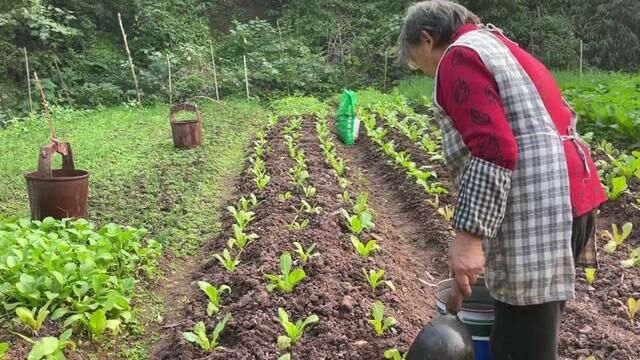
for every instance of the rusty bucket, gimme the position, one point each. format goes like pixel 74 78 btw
pixel 61 193
pixel 187 134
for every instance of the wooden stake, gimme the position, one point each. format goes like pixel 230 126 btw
pixel 170 89
pixel 215 71
pixel 386 66
pixel 45 106
pixel 581 56
pixel 133 71
pixel 246 75
pixel 26 62
pixel 64 85
pixel 284 68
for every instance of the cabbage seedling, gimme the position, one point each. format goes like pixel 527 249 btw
pixel 634 260
pixel 294 331
pixel 358 223
pixel 227 261
pixel 288 279
pixel 374 279
pixel 364 250
pixel 240 239
pixel 33 318
pixel 590 275
pixel 305 255
pixel 633 307
pixel 379 322
pixel 214 294
pixel 199 335
pixel 309 191
pixel 394 354
pixel 243 218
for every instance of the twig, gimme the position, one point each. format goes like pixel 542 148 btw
pixel 133 71
pixel 26 62
pixel 45 106
pixel 64 85
pixel 427 283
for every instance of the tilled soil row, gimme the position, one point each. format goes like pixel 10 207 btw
pixel 335 288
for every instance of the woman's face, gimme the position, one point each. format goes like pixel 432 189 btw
pixel 426 56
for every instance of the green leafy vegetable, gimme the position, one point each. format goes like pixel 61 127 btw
pixel 199 335
pixel 288 279
pixel 359 223
pixel 590 275
pixel 298 226
pixel 227 261
pixel 305 255
pixel 243 218
pixel 379 322
pixel 634 259
pixel 33 318
pixel 618 187
pixel 364 250
pixel 240 239
pixel 375 279
pixel 293 331
pixel 618 237
pixel 633 307
pixel 214 294
pixel 394 354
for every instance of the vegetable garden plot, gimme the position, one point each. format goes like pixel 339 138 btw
pixel 306 201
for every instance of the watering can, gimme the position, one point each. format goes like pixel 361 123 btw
pixel 445 337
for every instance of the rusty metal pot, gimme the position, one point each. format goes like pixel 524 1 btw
pixel 187 134
pixel 61 193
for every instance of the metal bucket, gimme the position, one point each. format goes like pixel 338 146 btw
pixel 59 193
pixel 477 313
pixel 187 134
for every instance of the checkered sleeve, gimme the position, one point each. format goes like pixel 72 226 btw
pixel 482 198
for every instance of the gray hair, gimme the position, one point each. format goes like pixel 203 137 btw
pixel 440 18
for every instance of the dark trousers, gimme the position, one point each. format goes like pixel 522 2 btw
pixel 531 332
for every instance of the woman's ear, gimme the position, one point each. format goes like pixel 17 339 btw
pixel 427 39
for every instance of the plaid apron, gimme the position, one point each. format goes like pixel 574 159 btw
pixel 526 213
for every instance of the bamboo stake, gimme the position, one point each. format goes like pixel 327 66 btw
pixel 133 71
pixel 284 68
pixel 45 106
pixel 64 85
pixel 26 62
pixel 246 75
pixel 170 88
pixel 215 71
pixel 581 56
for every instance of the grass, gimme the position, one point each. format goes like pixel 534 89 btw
pixel 137 177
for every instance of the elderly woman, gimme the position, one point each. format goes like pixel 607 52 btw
pixel 527 187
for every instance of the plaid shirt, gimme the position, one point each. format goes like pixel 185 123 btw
pixel 524 215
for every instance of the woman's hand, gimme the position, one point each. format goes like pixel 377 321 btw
pixel 466 260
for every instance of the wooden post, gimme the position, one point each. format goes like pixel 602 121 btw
pixel 64 85
pixel 170 89
pixel 133 71
pixel 26 62
pixel 246 75
pixel 386 66
pixel 215 71
pixel 581 56
pixel 284 66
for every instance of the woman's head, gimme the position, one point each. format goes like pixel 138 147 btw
pixel 427 31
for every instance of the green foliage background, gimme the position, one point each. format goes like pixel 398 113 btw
pixel 298 46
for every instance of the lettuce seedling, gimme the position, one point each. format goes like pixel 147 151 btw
pixel 243 218
pixel 447 212
pixel 394 354
pixel 305 255
pixel 359 223
pixel 633 307
pixel 379 322
pixel 374 279
pixel 338 165
pixel 634 259
pixel 214 294
pixel 4 349
pixel 362 203
pixel 294 331
pixel 308 208
pixel 33 318
pixel 199 335
pixel 309 191
pixel 590 275
pixel 285 196
pixel 364 250
pixel 288 279
pixel 618 237
pixel 245 204
pixel 344 182
pixel 240 239
pixel 49 347
pixel 298 226
pixel 227 261
pixel 617 187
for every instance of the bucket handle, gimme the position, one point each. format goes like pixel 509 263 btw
pixel 455 299
pixel 184 107
pixel 46 153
